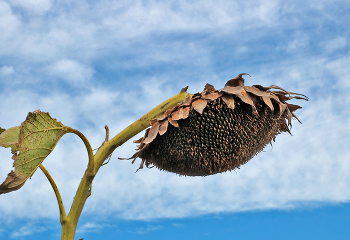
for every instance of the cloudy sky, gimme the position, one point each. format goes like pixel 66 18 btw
pixel 96 63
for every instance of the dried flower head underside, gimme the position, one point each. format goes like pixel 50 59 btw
pixel 217 130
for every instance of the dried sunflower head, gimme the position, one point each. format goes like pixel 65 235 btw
pixel 217 130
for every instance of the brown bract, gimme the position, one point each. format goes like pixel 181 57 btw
pixel 217 130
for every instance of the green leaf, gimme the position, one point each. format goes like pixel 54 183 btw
pixel 38 136
pixel 9 138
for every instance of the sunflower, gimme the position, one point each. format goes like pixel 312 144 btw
pixel 217 130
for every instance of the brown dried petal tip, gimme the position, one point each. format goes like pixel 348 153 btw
pixel 217 130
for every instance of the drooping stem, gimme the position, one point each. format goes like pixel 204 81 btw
pixel 138 126
pixel 95 162
pixel 63 216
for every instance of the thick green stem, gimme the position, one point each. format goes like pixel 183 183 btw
pixel 95 162
pixel 141 124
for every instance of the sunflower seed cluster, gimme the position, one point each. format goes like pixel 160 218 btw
pixel 217 140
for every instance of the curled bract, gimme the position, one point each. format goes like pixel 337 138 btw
pixel 217 130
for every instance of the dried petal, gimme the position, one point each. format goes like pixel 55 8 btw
pixel 186 112
pixel 212 96
pixel 289 117
pixel 152 133
pixel 232 90
pixel 241 93
pixel 267 101
pixel 162 117
pixel 187 100
pixel 237 81
pixel 246 98
pixel 262 88
pixel 255 91
pixel 199 105
pixel 295 117
pixel 293 107
pixel 173 122
pixel 138 141
pixel 177 114
pixel 163 127
pixel 228 99
pixel 265 96
pixel 282 108
pixel 208 88
pixel 282 97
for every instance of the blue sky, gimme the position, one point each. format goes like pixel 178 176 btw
pixel 97 63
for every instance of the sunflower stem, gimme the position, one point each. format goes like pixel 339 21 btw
pixel 95 162
pixel 138 126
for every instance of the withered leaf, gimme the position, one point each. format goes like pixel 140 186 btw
pixel 14 181
pixel 9 138
pixel 38 136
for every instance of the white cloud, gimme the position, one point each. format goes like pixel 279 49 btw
pixel 71 71
pixel 9 23
pixel 90 227
pixel 7 70
pixel 91 30
pixel 335 44
pixel 26 231
pixel 340 69
pixel 147 229
pixel 33 6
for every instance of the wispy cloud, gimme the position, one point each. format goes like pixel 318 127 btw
pixel 27 231
pixel 70 71
pixel 91 227
pixel 6 70
pixel 147 229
